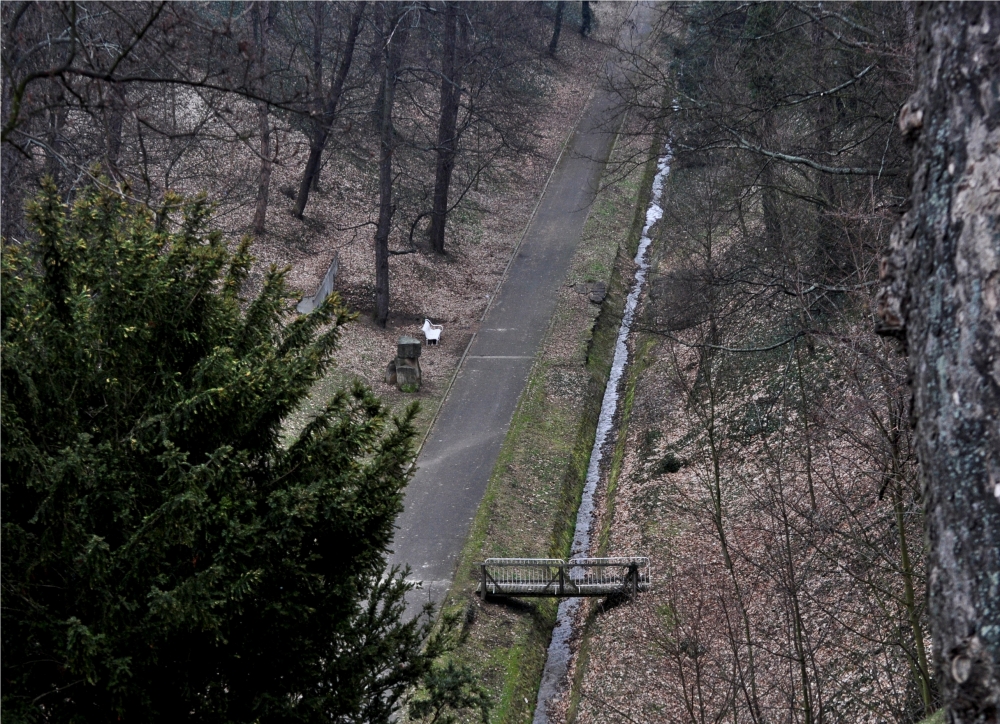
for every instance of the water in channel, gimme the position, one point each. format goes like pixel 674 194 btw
pixel 554 675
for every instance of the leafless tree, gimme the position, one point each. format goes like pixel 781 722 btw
pixel 556 28
pixel 393 39
pixel 325 111
pixel 451 83
pixel 149 93
pixel 485 108
pixel 263 22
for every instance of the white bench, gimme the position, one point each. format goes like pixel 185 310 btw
pixel 432 331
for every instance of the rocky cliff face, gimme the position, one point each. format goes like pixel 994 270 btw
pixel 942 291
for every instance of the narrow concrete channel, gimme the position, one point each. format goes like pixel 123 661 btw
pixel 555 674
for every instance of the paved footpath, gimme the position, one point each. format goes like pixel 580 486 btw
pixel 458 456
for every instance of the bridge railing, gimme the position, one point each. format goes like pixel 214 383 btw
pixel 559 578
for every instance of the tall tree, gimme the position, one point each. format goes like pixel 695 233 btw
pixel 316 105
pixel 263 21
pixel 557 28
pixel 447 125
pixel 942 293
pixel 156 93
pixel 483 106
pixel 166 556
pixel 394 35
pixel 323 119
pixel 786 159
pixel 586 18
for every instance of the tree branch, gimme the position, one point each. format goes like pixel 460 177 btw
pixel 745 145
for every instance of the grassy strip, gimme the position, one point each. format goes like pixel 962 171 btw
pixel 530 504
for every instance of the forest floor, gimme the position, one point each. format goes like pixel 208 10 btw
pixel 452 289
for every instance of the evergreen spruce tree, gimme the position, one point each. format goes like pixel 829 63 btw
pixel 165 556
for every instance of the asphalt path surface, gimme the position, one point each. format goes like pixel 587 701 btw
pixel 458 455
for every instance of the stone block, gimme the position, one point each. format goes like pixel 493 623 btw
pixel 407 375
pixel 408 348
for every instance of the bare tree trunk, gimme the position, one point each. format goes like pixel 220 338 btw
pixel 769 197
pixel 560 6
pixel 311 175
pixel 942 290
pixel 12 186
pixel 56 122
pixel 824 117
pixel 748 675
pixel 450 92
pixel 115 98
pixel 317 111
pixel 586 19
pixel 394 36
pixel 262 27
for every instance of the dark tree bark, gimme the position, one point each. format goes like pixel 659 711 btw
pixel 560 6
pixel 762 55
pixel 264 180
pixel 586 18
pixel 824 113
pixel 323 126
pixel 942 293
pixel 393 38
pixel 450 93
pixel 317 112
pixel 769 196
pixel 11 173
pixel 56 122
pixel 262 22
pixel 115 98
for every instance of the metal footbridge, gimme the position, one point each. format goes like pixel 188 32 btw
pixel 554 577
